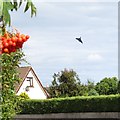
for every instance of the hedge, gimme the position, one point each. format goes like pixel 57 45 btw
pixel 109 103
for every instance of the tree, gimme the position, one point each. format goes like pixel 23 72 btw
pixel 10 61
pixel 91 89
pixel 65 83
pixel 83 90
pixel 9 76
pixel 107 86
pixel 119 87
pixel 93 92
pixel 90 85
pixel 10 5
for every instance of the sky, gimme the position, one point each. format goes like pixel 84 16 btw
pixel 52 45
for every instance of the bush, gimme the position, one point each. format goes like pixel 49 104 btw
pixel 93 92
pixel 72 105
pixel 24 96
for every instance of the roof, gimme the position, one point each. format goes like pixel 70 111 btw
pixel 23 72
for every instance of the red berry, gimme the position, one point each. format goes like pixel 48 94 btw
pixel 6 44
pixel 1 46
pixel 3 38
pixel 20 40
pixel 27 36
pixel 6 50
pixel 14 44
pixel 14 39
pixel 17 34
pixel 24 39
pixel 10 43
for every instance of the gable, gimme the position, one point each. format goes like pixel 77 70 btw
pixel 23 71
pixel 36 91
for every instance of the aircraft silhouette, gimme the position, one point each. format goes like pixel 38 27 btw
pixel 79 39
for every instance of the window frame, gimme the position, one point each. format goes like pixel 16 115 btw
pixel 30 80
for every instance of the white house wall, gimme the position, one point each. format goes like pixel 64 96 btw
pixel 34 92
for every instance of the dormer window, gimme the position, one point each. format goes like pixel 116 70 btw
pixel 30 80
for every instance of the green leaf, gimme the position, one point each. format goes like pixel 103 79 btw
pixel 6 15
pixel 33 10
pixel 1 7
pixel 28 5
pixel 9 5
pixel 20 3
pixel 15 6
pixel 5 7
pixel 5 12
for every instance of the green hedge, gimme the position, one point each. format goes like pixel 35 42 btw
pixel 109 103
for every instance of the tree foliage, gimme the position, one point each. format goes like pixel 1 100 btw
pixel 107 86
pixel 93 92
pixel 10 61
pixel 119 87
pixel 9 76
pixel 9 5
pixel 65 83
pixel 91 89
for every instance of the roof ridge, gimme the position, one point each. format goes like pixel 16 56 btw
pixel 25 66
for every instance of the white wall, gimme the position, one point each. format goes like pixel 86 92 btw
pixel 34 92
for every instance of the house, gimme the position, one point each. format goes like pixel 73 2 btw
pixel 30 84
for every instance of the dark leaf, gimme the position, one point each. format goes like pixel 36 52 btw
pixel 33 10
pixel 20 3
pixel 27 6
pixel 15 6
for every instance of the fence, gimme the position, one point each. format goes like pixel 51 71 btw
pixel 71 116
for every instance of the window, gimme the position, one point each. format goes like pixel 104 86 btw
pixel 30 80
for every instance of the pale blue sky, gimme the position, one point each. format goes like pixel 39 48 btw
pixel 53 47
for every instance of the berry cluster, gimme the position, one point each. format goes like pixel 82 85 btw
pixel 11 42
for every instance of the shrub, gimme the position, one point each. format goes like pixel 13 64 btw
pixel 72 105
pixel 93 92
pixel 24 96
